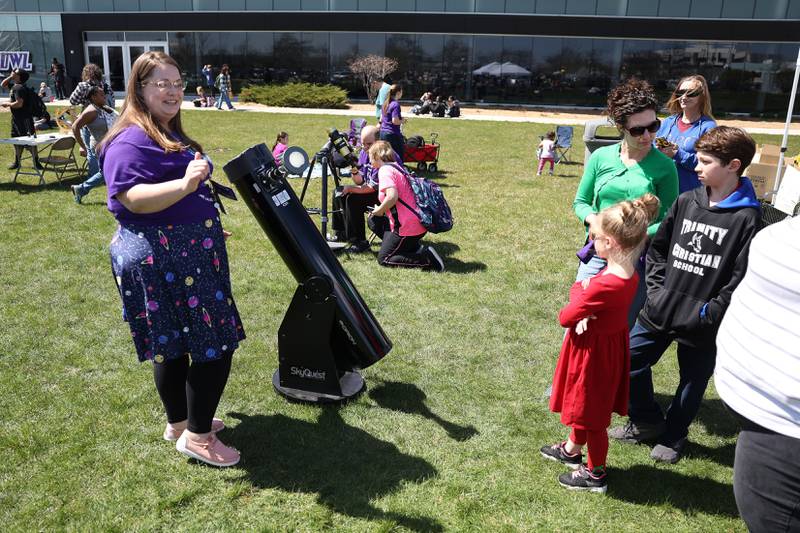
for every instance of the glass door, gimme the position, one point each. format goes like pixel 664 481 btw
pixel 116 58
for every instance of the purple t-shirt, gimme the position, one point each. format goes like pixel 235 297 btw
pixel 393 110
pixel 133 158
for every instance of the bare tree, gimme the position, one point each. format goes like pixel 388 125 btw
pixel 370 68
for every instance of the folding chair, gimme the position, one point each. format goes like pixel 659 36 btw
pixel 563 143
pixel 354 135
pixel 61 164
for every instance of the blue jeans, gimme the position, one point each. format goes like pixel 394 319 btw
pixel 91 157
pixel 396 140
pixel 696 364
pixel 596 264
pixel 223 96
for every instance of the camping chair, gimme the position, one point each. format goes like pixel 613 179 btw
pixel 61 164
pixel 563 143
pixel 354 136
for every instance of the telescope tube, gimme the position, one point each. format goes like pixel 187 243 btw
pixel 357 338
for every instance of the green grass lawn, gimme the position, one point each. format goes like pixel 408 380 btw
pixel 447 435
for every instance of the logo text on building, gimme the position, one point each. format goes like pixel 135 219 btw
pixel 12 60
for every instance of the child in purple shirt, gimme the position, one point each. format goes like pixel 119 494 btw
pixel 391 120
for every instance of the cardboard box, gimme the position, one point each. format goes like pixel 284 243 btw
pixel 763 177
pixel 769 154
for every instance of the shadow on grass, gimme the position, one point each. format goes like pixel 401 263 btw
pixel 408 398
pixel 649 485
pixel 453 265
pixel 28 188
pixel 713 415
pixel 344 466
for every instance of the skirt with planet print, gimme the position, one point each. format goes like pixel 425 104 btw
pixel 176 290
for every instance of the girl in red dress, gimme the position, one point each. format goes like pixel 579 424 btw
pixel 591 377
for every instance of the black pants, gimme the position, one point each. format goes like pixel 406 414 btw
pixel 397 251
pixel 192 391
pixel 61 93
pixel 397 142
pixel 355 207
pixel 766 479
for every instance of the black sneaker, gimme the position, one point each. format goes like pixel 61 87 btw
pixel 358 247
pixel 583 479
pixel 636 432
pixel 556 452
pixel 436 261
pixel 13 166
pixel 672 453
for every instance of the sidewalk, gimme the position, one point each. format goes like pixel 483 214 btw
pixel 558 117
pixel 574 117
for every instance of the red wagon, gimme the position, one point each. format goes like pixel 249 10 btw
pixel 426 157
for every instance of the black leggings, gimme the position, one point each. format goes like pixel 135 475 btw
pixel 192 391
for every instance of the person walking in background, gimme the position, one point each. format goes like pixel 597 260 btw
pixel 98 119
pixel 694 263
pixel 169 258
pixel 91 76
pixel 690 117
pixel 382 86
pixel 392 119
pixel 208 76
pixel 223 83
pixel 591 378
pixel 58 73
pixel 758 357
pixel 547 152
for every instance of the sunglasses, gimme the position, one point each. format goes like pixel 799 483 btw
pixel 638 131
pixel 689 93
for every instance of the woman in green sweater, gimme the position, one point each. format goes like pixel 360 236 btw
pixel 626 171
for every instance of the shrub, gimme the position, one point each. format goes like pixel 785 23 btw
pixel 298 94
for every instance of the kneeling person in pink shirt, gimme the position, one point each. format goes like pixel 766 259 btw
pixel 401 245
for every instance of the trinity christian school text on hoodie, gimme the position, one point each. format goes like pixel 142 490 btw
pixel 695 261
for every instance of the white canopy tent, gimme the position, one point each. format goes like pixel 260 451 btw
pixel 786 127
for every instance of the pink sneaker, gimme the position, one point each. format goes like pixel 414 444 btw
pixel 211 451
pixel 171 434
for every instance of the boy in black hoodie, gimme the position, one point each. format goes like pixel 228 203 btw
pixel 695 261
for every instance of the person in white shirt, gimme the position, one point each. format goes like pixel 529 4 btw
pixel 758 377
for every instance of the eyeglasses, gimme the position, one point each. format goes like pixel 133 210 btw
pixel 163 85
pixel 688 93
pixel 638 131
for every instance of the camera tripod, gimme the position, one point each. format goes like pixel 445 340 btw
pixel 325 158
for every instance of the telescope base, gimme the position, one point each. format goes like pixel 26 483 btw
pixel 351 383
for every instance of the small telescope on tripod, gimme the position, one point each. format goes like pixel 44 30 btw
pixel 328 333
pixel 335 154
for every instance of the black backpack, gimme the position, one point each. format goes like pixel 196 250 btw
pixel 35 104
pixel 416 141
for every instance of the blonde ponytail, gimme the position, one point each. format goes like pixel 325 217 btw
pixel 627 221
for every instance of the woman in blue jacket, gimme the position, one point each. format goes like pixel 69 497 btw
pixel 690 117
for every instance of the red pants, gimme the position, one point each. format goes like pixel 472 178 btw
pixel 597 445
pixel 542 161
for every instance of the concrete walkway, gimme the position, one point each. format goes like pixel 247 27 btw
pixel 544 116
pixel 574 117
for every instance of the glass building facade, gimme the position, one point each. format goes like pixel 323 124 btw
pixel 498 63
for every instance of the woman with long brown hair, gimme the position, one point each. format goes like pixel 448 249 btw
pixel 690 117
pixel 391 120
pixel 169 259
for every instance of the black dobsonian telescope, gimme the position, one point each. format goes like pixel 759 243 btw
pixel 328 333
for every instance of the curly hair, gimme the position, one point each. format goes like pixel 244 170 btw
pixel 629 98
pixel 92 72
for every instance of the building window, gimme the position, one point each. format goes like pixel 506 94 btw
pixel 740 9
pixel 709 9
